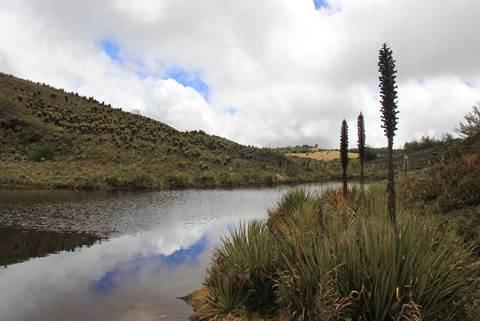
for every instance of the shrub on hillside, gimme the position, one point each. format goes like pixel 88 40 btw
pixel 207 179
pixel 228 179
pixel 29 136
pixel 470 126
pixel 142 181
pixel 112 181
pixel 426 142
pixel 292 170
pixel 44 151
pixel 370 154
pixel 180 180
pixel 268 180
pixel 454 184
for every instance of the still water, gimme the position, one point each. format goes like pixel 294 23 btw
pixel 114 256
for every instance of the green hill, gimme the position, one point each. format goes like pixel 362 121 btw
pixel 50 138
pixel 53 138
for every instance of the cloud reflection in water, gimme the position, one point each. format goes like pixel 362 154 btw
pixel 131 268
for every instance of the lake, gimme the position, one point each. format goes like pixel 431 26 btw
pixel 114 255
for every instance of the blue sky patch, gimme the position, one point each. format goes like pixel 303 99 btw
pixel 140 69
pixel 189 80
pixel 111 49
pixel 232 110
pixel 321 4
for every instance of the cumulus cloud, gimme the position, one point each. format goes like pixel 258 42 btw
pixel 290 70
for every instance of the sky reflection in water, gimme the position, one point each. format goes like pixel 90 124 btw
pixel 160 250
pixel 130 269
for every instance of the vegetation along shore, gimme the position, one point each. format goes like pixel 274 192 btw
pixel 404 249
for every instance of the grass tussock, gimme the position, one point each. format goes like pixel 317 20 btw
pixel 327 258
pixel 242 274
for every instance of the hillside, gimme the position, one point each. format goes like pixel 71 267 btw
pixel 50 138
pixel 53 138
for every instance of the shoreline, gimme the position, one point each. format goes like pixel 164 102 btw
pixel 105 188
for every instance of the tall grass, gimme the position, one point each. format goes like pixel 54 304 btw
pixel 364 270
pixel 291 215
pixel 327 258
pixel 243 273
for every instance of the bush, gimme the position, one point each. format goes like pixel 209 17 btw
pixel 112 181
pixel 425 142
pixel 292 170
pixel 207 179
pixel 268 180
pixel 452 185
pixel 29 136
pixel 181 180
pixel 327 258
pixel 229 179
pixel 142 181
pixel 44 151
pixel 370 154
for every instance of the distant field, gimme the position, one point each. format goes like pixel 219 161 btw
pixel 322 155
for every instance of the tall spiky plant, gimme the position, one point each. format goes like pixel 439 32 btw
pixel 361 146
pixel 344 154
pixel 388 96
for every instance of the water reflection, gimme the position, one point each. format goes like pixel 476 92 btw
pixel 112 213
pixel 113 279
pixel 158 248
pixel 17 245
pixel 131 268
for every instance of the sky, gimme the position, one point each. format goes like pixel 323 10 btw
pixel 263 73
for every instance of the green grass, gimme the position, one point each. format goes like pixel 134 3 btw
pixel 50 138
pixel 244 266
pixel 329 258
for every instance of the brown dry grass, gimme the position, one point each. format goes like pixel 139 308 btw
pixel 322 155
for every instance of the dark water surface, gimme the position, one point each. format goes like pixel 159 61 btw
pixel 114 256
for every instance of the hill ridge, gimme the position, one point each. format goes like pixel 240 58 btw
pixel 52 136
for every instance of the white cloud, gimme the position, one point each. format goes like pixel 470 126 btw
pixel 292 72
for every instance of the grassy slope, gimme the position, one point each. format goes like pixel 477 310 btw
pixel 51 138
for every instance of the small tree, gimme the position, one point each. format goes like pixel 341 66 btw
pixel 344 154
pixel 388 96
pixel 361 145
pixel 471 124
